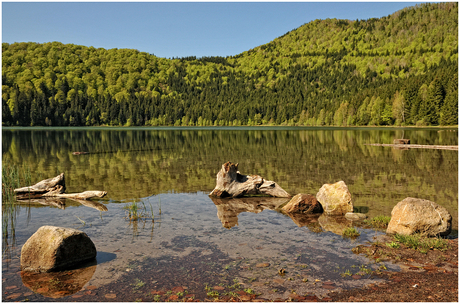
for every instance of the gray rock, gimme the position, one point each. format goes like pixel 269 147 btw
pixel 54 248
pixel 335 198
pixel 414 215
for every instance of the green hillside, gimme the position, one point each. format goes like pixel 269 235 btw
pixel 397 70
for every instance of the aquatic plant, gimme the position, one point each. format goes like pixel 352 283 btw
pixel 12 178
pixel 137 212
pixel 159 204
pixel 81 221
pixel 346 273
pixel 138 284
pixel 350 232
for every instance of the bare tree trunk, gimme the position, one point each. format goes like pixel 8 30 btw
pixel 231 183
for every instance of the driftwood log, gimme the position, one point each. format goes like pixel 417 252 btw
pixel 53 187
pixel 231 183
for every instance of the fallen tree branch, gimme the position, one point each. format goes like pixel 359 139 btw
pixel 53 187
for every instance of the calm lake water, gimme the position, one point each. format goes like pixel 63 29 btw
pixel 198 246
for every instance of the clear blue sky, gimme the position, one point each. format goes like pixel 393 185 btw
pixel 174 29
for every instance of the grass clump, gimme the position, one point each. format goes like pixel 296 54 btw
pixel 421 243
pixel 138 284
pixel 380 222
pixel 12 178
pixel 137 211
pixel 351 232
pixel 393 245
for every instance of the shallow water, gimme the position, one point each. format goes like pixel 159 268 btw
pixel 198 242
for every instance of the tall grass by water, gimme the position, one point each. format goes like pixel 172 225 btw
pixel 12 177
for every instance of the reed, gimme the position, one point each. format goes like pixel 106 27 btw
pixel 12 177
pixel 138 211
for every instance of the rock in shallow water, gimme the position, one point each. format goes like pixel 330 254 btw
pixel 303 203
pixel 55 248
pixel 335 198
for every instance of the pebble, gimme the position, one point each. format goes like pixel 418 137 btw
pixel 11 287
pixel 178 289
pixel 261 265
pixel 111 296
pixel 245 298
pixel 13 296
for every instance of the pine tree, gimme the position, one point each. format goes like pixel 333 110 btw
pixel 449 110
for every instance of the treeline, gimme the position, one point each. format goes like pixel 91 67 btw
pixel 397 70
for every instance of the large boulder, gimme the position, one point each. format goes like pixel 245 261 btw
pixel 335 198
pixel 303 203
pixel 54 248
pixel 415 215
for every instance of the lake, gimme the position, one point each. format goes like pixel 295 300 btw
pixel 198 247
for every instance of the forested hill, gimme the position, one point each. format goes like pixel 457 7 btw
pixel 397 70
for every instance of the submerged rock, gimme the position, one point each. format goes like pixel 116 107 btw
pixel 334 224
pixel 303 203
pixel 58 284
pixel 335 198
pixel 54 248
pixel 415 215
pixel 352 216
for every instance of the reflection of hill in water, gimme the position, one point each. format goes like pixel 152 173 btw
pixel 187 160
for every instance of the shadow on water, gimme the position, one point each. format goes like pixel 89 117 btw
pixel 103 257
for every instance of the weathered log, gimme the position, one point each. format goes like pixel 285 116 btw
pixel 81 196
pixel 80 153
pixel 53 187
pixel 437 147
pixel 231 183
pixel 55 184
pixel 401 141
